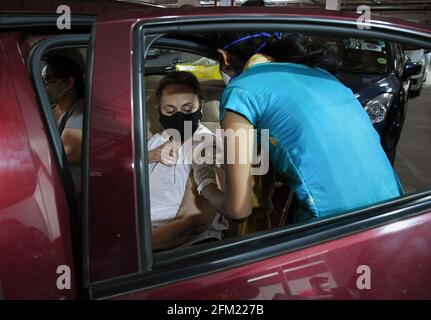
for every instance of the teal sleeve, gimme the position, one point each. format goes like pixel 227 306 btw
pixel 241 102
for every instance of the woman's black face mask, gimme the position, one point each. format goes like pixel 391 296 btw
pixel 176 121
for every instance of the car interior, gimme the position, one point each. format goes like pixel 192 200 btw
pixel 197 52
pixel 194 53
pixel 277 214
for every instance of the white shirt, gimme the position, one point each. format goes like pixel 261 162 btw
pixel 168 183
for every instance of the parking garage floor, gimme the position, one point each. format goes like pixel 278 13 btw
pixel 413 159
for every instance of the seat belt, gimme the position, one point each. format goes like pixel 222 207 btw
pixel 66 117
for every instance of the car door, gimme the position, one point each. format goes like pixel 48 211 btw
pixel 36 236
pixel 380 252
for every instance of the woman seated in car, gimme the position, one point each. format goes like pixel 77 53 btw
pixel 179 217
pixel 65 88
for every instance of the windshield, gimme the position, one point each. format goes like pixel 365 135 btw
pixel 358 55
pixel 364 56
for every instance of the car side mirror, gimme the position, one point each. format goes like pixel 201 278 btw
pixel 411 69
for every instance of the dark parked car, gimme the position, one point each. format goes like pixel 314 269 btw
pixel 380 76
pixel 422 57
pixel 382 86
pixel 54 247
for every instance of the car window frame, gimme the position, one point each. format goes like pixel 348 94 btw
pixel 167 267
pixel 79 217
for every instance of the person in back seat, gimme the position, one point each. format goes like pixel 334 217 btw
pixel 64 84
pixel 178 215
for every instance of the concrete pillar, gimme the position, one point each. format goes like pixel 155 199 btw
pixel 194 3
pixel 333 5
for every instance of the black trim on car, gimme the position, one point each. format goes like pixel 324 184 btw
pixel 34 65
pixel 141 158
pixel 302 24
pixel 195 261
pixel 85 163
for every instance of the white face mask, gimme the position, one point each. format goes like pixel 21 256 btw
pixel 226 78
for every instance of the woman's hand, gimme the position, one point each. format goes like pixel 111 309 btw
pixel 166 153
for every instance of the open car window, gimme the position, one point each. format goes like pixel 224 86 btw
pixel 160 61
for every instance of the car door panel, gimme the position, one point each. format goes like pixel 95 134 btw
pixel 35 234
pixel 335 269
pixel 112 219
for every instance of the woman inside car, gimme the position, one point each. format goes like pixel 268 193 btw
pixel 65 88
pixel 178 215
pixel 321 138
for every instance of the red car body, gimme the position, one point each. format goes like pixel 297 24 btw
pixel 381 252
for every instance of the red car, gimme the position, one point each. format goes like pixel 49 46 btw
pixel 54 247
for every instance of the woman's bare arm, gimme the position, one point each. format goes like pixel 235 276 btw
pixel 193 217
pixel 236 200
pixel 175 233
pixel 72 143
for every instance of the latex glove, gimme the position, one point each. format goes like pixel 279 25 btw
pixel 204 174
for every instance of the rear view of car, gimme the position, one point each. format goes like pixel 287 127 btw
pixel 422 57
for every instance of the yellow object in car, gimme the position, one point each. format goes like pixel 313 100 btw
pixel 201 72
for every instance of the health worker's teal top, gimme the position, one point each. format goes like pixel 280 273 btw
pixel 321 138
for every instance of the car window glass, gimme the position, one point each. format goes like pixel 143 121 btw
pixel 163 60
pixel 363 64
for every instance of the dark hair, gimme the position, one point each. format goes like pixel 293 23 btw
pixel 65 67
pixel 282 47
pixel 183 78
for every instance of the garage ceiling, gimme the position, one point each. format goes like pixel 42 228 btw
pixel 380 5
pixel 413 10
